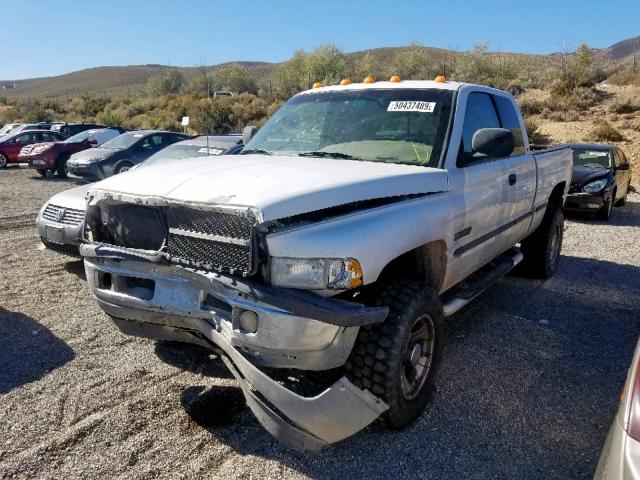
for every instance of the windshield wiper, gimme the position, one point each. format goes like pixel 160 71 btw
pixel 320 153
pixel 259 151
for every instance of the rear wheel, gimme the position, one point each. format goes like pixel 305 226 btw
pixel 123 167
pixel 541 249
pixel 398 359
pixel 61 167
pixel 3 160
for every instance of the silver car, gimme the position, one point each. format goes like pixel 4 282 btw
pixel 61 219
pixel 620 457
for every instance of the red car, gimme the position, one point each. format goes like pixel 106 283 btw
pixel 53 156
pixel 11 144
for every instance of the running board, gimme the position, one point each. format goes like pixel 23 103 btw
pixel 499 268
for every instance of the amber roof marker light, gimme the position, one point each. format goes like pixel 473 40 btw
pixel 369 80
pixel 394 79
pixel 317 85
pixel 345 81
pixel 441 79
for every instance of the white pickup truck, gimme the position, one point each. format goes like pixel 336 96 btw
pixel 352 224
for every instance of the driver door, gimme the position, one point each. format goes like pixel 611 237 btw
pixel 480 232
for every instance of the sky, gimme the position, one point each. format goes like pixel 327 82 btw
pixel 52 37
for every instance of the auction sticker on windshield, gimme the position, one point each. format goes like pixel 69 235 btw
pixel 411 106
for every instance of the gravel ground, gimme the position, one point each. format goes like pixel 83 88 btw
pixel 529 383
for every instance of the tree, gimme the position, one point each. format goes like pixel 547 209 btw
pixel 369 66
pixel 233 78
pixel 167 83
pixel 414 62
pixel 289 77
pixel 326 64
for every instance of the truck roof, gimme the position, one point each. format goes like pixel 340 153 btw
pixel 410 84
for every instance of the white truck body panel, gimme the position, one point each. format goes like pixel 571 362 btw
pixel 278 186
pixel 469 211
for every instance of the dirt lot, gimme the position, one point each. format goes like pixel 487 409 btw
pixel 528 387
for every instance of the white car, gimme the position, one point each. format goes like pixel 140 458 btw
pixel 60 222
pixel 353 223
pixel 620 457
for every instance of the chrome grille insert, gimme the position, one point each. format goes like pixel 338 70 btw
pixel 63 215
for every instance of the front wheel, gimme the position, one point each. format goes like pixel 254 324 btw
pixel 62 169
pixel 398 360
pixel 3 160
pixel 605 212
pixel 623 201
pixel 541 249
pixel 123 167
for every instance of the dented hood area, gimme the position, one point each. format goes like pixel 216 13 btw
pixel 279 186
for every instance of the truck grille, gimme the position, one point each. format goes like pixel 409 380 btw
pixel 213 239
pixel 66 216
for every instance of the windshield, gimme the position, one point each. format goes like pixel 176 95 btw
pixel 387 125
pixel 79 137
pixel 7 128
pixel 177 152
pixel 592 158
pixel 123 141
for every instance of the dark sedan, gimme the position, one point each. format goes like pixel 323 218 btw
pixel 121 153
pixel 601 179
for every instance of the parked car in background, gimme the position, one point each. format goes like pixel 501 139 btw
pixel 70 129
pixel 121 153
pixel 6 129
pixel 620 457
pixel 12 144
pixel 53 156
pixel 61 220
pixel 32 126
pixel 601 179
pixel 202 146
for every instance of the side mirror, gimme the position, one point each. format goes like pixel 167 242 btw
pixel 493 142
pixel 93 142
pixel 248 133
pixel 624 166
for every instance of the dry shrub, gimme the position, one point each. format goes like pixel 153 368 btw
pixel 603 132
pixel 532 132
pixel 529 106
pixel 628 125
pixel 560 116
pixel 623 106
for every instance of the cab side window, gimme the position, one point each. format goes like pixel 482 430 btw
pixel 480 113
pixel 509 120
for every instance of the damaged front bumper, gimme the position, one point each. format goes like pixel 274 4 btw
pixel 296 329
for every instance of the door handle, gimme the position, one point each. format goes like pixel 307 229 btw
pixel 512 179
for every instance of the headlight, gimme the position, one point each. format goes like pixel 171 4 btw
pixel 316 273
pixel 595 186
pixel 40 148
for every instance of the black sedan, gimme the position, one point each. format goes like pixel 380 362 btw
pixel 601 179
pixel 120 153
